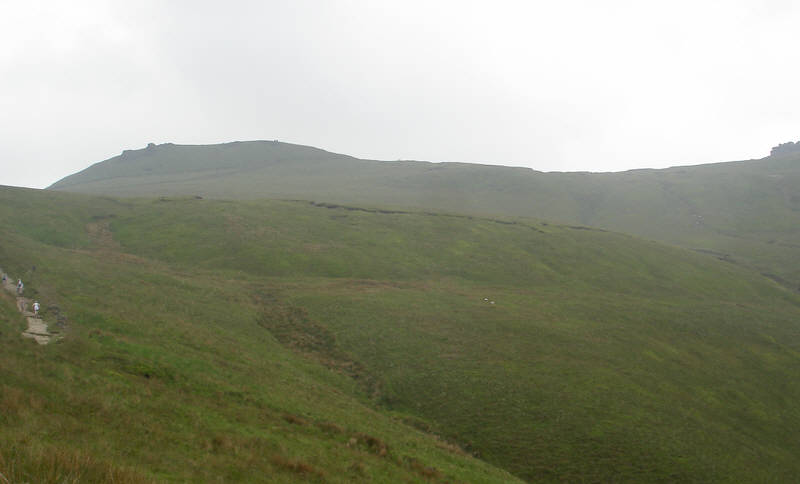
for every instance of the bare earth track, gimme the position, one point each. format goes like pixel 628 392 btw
pixel 37 329
pixel 100 233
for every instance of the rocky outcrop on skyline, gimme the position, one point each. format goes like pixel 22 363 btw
pixel 785 148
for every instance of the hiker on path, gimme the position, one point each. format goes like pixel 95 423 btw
pixel 20 287
pixel 36 308
pixel 4 278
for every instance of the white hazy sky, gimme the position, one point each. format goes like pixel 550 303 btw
pixel 567 85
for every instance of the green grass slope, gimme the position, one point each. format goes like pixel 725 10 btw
pixel 165 375
pixel 558 353
pixel 747 212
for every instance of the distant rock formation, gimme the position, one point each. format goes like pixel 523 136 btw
pixel 785 148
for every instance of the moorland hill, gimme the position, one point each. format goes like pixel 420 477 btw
pixel 158 374
pixel 745 212
pixel 297 341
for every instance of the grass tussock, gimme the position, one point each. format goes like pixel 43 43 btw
pixel 330 427
pixel 372 444
pixel 428 472
pixel 15 401
pixel 59 466
pixel 295 419
pixel 296 466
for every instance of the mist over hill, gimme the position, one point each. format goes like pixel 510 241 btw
pixel 746 212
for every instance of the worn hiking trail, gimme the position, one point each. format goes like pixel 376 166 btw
pixel 37 328
pixel 100 233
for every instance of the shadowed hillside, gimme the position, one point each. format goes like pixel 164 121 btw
pixel 271 333
pixel 745 212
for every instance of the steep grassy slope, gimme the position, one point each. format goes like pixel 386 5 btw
pixel 747 212
pixel 556 352
pixel 602 358
pixel 165 374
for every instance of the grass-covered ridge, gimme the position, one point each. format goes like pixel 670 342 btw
pixel 603 357
pixel 746 212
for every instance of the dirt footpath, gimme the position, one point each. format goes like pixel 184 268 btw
pixel 37 329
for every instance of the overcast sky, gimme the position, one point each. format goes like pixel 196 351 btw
pixel 567 85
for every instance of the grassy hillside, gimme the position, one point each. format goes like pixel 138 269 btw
pixel 164 374
pixel 555 352
pixel 746 212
